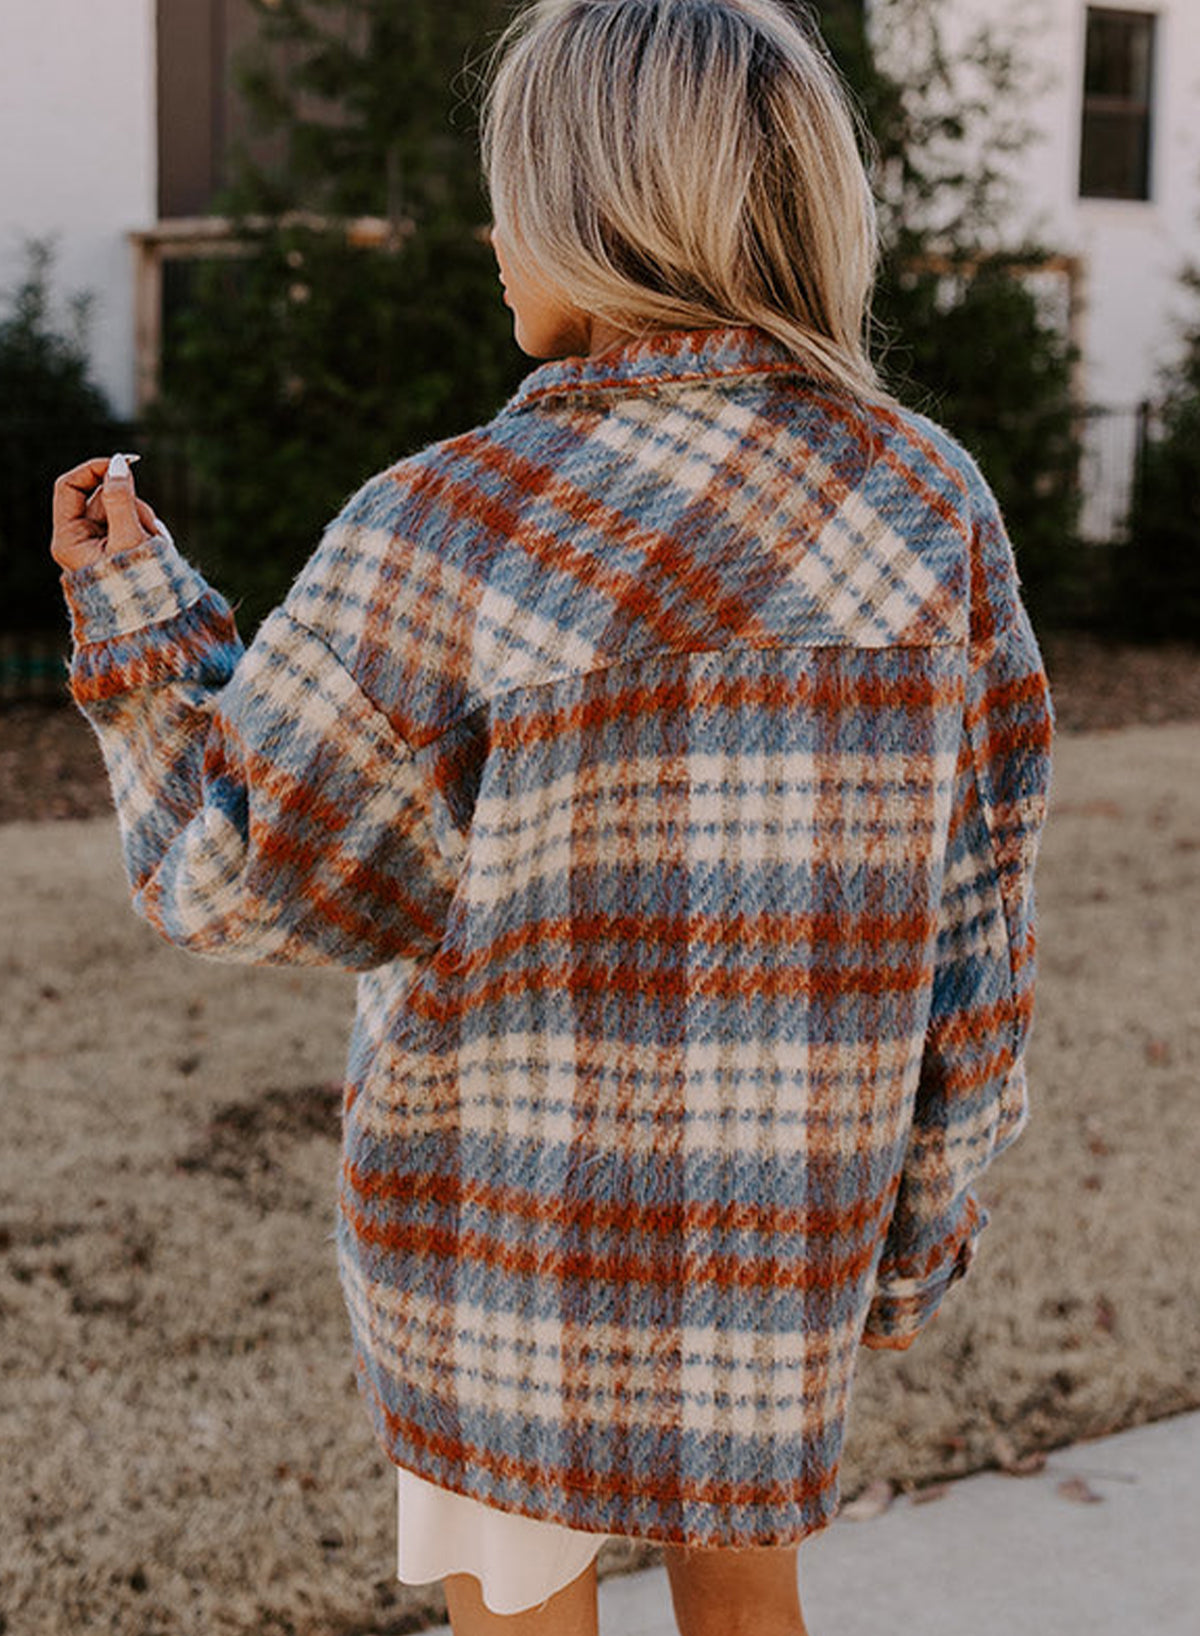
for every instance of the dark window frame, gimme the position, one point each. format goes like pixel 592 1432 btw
pixel 1099 176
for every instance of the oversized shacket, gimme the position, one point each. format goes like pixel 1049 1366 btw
pixel 669 755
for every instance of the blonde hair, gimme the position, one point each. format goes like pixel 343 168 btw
pixel 687 164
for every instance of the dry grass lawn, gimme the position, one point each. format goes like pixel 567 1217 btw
pixel 183 1450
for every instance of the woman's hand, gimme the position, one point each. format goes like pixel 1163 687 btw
pixel 97 514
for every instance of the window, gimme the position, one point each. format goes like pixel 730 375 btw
pixel 1118 87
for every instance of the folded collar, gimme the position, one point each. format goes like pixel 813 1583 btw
pixel 673 357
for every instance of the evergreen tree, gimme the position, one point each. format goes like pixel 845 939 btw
pixel 360 96
pixel 349 355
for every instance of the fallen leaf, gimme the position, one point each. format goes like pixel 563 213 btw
pixel 1079 1490
pixel 1012 1463
pixel 1106 1315
pixel 1158 1051
pixel 872 1502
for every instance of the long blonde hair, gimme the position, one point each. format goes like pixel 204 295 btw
pixel 687 164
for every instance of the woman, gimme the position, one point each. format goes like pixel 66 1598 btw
pixel 669 755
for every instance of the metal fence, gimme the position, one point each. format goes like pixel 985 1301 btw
pixel 1112 442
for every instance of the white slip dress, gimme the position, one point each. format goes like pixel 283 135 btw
pixel 520 1562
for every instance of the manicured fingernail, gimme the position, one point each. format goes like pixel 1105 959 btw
pixel 118 467
pixel 161 529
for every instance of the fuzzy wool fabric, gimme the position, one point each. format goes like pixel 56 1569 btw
pixel 669 755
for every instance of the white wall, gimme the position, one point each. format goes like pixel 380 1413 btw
pixel 78 156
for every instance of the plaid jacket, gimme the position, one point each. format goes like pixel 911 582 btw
pixel 669 755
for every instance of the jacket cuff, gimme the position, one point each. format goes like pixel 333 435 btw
pixel 906 1299
pixel 144 586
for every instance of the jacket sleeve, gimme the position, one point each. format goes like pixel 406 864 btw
pixel 269 812
pixel 971 1096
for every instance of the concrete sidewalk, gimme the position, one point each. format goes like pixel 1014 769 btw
pixel 1106 1539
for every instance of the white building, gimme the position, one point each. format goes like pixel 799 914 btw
pixel 114 118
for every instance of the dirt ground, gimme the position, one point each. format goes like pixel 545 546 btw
pixel 183 1447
